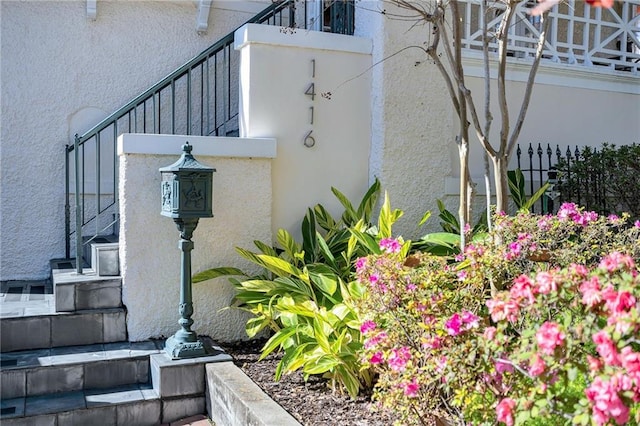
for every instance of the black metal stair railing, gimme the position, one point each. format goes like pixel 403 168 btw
pixel 199 98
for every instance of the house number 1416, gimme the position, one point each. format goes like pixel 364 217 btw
pixel 309 140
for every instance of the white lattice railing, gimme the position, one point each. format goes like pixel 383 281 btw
pixel 580 35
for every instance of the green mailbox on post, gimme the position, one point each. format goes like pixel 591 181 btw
pixel 187 188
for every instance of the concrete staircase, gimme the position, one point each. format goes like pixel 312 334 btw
pixel 65 358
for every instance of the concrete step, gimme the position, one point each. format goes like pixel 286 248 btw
pixel 74 292
pixel 113 384
pixel 62 329
pixel 131 405
pixel 75 368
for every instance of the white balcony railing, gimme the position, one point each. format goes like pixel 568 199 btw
pixel 579 35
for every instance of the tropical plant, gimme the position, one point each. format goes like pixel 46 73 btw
pixel 304 294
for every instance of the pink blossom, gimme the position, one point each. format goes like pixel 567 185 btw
pixel 636 223
pixel 503 309
pixel 549 336
pixel 591 295
pixel 503 366
pixel 434 342
pixel 522 289
pixel 567 211
pixel 360 264
pixel 537 365
pixel 489 333
pixel 618 302
pixel 367 326
pixel 411 389
pixel 606 403
pixel 453 325
pixel 579 270
pixel 375 340
pixel 515 249
pixel 376 358
pixel 595 364
pixel 615 261
pixel 504 411
pixel 630 360
pixel 606 348
pixel 398 359
pixel 390 245
pixel 546 282
pixel 470 320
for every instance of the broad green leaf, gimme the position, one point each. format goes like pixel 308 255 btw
pixel 277 340
pixel 321 334
pixel 321 365
pixel 265 249
pixel 291 248
pixel 324 278
pixel 278 266
pixel 369 201
pixel 516 187
pixel 387 218
pixel 256 325
pixel 324 219
pixel 535 197
pixel 348 379
pixel 309 236
pixel 306 309
pixel 442 238
pixel 292 286
pixel 291 361
pixel 215 273
pixel 368 241
pixel 349 216
pixel 326 252
pixel 261 286
pixel 425 218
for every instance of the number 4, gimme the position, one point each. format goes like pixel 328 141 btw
pixel 311 91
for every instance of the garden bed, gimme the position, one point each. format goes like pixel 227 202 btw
pixel 311 403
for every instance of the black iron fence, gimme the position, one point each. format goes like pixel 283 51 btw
pixel 605 180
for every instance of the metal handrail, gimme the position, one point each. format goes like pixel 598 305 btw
pixel 217 60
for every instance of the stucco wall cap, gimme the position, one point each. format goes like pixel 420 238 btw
pixel 214 146
pixel 267 34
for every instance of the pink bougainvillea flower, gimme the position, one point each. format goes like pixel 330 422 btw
pixel 549 336
pixel 454 325
pixel 470 320
pixel 537 365
pixel 504 411
pixel 376 358
pixel 503 366
pixel 595 364
pixel 546 282
pixel 411 389
pixel 390 245
pixel 630 361
pixel 360 264
pixel 375 340
pixel 367 326
pixel 501 309
pixel 618 302
pixel 591 295
pixel 617 261
pixel 606 403
pixel 398 359
pixel 489 333
pixel 522 289
pixel 636 223
pixel 606 348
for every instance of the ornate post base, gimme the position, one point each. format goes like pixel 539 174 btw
pixel 178 349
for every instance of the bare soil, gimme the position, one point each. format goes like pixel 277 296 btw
pixel 312 403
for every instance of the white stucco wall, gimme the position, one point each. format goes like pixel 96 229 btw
pixel 59 74
pixel 413 123
pixel 277 67
pixel 149 254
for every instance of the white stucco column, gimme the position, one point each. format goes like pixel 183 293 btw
pixel 149 254
pixel 310 91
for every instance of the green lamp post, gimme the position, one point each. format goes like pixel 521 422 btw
pixel 186 197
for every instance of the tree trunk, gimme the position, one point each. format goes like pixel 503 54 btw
pixel 500 164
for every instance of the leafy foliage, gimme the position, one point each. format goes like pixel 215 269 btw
pixel 305 291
